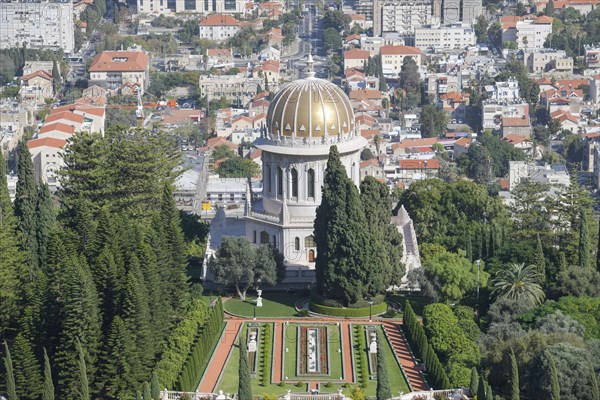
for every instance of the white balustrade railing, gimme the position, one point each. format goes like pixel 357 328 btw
pixel 175 395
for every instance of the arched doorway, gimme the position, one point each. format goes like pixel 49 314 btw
pixel 311 256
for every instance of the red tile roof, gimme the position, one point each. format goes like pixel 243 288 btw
pixel 356 54
pixel 57 126
pixel 432 163
pixel 40 73
pixel 219 20
pixel 47 141
pixel 107 61
pixel 66 115
pixel 515 122
pixel 398 50
pixel 219 52
pixel 365 94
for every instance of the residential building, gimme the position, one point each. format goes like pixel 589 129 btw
pixel 592 56
pixel 555 175
pixel 455 104
pixel 356 58
pixel 237 89
pixel 529 32
pixel 153 6
pixel 46 154
pixel 218 27
pixel 465 11
pixel 516 127
pixel 116 69
pixel 33 66
pixel 457 36
pixel 38 24
pixel 494 112
pixel 504 90
pixel 545 60
pixel 471 9
pixel 207 7
pixel 410 170
pixel 392 58
pixel 583 6
pixel 36 86
pixel 403 16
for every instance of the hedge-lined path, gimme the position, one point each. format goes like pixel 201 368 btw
pixel 219 358
pixel 347 354
pixel 405 356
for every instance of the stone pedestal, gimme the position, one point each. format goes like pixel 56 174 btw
pixel 259 299
pixel 252 342
pixel 373 344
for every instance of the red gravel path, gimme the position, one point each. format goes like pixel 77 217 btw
pixel 217 362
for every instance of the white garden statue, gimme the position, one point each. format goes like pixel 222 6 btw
pixel 259 299
pixel 373 344
pixel 252 342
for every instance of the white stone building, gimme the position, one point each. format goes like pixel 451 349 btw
pixel 457 36
pixel 39 24
pixel 114 69
pixel 218 27
pixel 392 58
pixel 403 16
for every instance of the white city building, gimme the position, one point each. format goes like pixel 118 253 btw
pixel 40 24
pixel 457 36
pixel 403 16
pixel 218 27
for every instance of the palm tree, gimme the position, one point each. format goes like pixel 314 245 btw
pixel 519 282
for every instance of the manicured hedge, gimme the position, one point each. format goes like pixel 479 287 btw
pixel 347 312
pixel 202 350
pixel 362 359
pixel 266 366
pixel 179 343
pixel 317 298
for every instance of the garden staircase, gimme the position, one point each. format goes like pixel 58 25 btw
pixel 405 356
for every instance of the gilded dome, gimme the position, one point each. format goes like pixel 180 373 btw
pixel 308 108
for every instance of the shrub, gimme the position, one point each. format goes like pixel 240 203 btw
pixel 299 384
pixel 266 396
pixel 348 312
pixel 266 373
pixel 328 385
pixel 362 359
pixel 282 384
pixel 390 313
pixel 303 313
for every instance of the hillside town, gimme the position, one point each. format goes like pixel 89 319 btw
pixel 317 199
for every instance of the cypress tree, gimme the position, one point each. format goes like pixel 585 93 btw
pixel 48 391
pixel 474 381
pixel 481 392
pixel 595 393
pixel 540 259
pixel 562 261
pixel 12 256
pixel 552 372
pixel 489 394
pixel 155 386
pixel 55 77
pixel 45 222
pixel 514 376
pixel 83 377
pixel 584 240
pixel 26 206
pixel 244 390
pixel 26 371
pixel 484 248
pixel 146 391
pixel 11 388
pixel 383 385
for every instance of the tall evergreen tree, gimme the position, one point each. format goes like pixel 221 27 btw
pixel 514 376
pixel 55 77
pixel 83 375
pixel 244 389
pixel 595 393
pixel 552 372
pixel 12 257
pixel 146 391
pixel 481 388
pixel 11 388
pixel 474 381
pixel 155 386
pixel 383 385
pixel 26 206
pixel 48 390
pixel 175 244
pixel 343 271
pixel 115 375
pixel 46 218
pixel 540 259
pixel 584 240
pixel 26 370
pixel 81 321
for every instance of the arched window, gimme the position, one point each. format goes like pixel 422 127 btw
pixel 279 181
pixel 310 183
pixel 268 182
pixel 294 183
pixel 309 241
pixel 254 237
pixel 311 256
pixel 274 241
pixel 297 244
pixel 264 237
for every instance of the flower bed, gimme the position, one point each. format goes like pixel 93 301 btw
pixel 322 367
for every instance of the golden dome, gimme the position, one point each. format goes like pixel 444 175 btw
pixel 308 108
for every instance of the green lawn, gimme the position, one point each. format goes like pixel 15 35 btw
pixel 274 305
pixel 229 379
pixel 395 376
pixel 417 303
pixel 290 358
